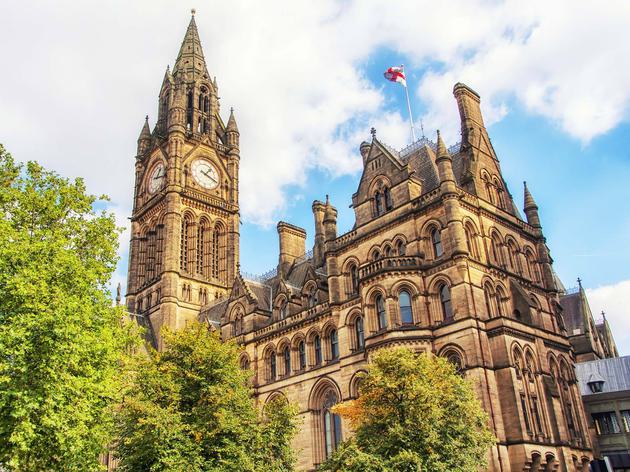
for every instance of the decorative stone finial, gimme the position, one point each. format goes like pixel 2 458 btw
pixel 193 11
pixel 579 281
pixel 373 132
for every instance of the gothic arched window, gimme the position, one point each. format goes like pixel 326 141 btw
pixel 358 333
pixel 387 196
pixel 354 279
pixel 204 248
pixel 271 362
pixel 495 247
pixel 404 303
pixel 436 241
pixel 488 294
pixel 334 345
pixel 317 346
pixel 302 355
pixel 471 242
pixel 445 302
pixel 380 312
pixel 401 248
pixel 332 424
pixel 500 301
pixel 378 204
pixel 286 355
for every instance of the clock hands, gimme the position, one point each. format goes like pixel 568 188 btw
pixel 209 176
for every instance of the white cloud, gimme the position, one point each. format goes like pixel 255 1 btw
pixel 77 84
pixel 614 300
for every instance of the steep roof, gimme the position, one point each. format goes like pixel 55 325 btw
pixel 615 372
pixel 190 58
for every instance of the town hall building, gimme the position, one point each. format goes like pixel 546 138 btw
pixel 439 260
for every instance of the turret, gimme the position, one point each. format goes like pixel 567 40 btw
pixel 231 131
pixel 144 140
pixel 319 210
pixel 444 163
pixel 530 208
pixel 330 222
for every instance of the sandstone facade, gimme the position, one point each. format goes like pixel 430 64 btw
pixel 439 260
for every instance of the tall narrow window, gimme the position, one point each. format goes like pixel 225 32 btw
pixel 378 204
pixel 380 312
pixel 159 249
pixel 334 345
pixel 283 309
pixel 183 246
pixel 272 366
pixel 536 414
pixel 404 303
pixel 471 242
pixel 528 426
pixel 317 345
pixel 445 302
pixel 436 240
pixel 286 354
pixel 499 301
pixel 332 424
pixel 189 113
pixel 488 295
pixel 495 247
pixel 358 331
pixel 302 355
pixel 151 237
pixel 312 297
pixel 354 279
pixel 387 196
pixel 401 248
pixel 206 249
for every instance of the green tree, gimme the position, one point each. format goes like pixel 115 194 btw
pixel 413 413
pixel 190 408
pixel 60 338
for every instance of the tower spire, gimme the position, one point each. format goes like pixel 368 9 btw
pixel 530 208
pixel 190 58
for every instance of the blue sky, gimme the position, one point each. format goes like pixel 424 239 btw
pixel 305 79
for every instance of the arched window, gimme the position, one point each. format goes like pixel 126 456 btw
pixel 282 311
pixel 445 302
pixel 189 113
pixel 204 248
pixel 404 303
pixel 376 255
pixel 187 245
pixel 317 346
pixel 238 325
pixel 358 332
pixel 495 247
pixel 401 248
pixel 456 359
pixel 378 204
pixel 271 360
pixel 244 363
pixel 387 196
pixel 436 241
pixel 380 312
pixel 218 251
pixel 488 294
pixel 332 424
pixel 334 345
pixel 311 297
pixel 302 355
pixel 286 355
pixel 471 242
pixel 500 301
pixel 387 252
pixel 354 279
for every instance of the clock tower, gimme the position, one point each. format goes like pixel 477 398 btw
pixel 185 224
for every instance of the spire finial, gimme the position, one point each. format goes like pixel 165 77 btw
pixel 373 132
pixel 579 281
pixel 146 118
pixel 441 147
pixel 327 200
pixel 193 11
pixel 604 315
pixel 118 297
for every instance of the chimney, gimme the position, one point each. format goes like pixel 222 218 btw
pixel 469 109
pixel 318 248
pixel 292 246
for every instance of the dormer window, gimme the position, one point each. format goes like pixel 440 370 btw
pixel 596 383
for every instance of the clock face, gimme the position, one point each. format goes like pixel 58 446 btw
pixel 205 174
pixel 156 178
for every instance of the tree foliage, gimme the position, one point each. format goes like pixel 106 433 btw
pixel 413 413
pixel 60 338
pixel 190 408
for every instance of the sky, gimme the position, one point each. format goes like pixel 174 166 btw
pixel 306 82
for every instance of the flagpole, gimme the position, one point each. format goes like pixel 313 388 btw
pixel 413 133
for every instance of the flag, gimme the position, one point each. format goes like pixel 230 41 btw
pixel 396 74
